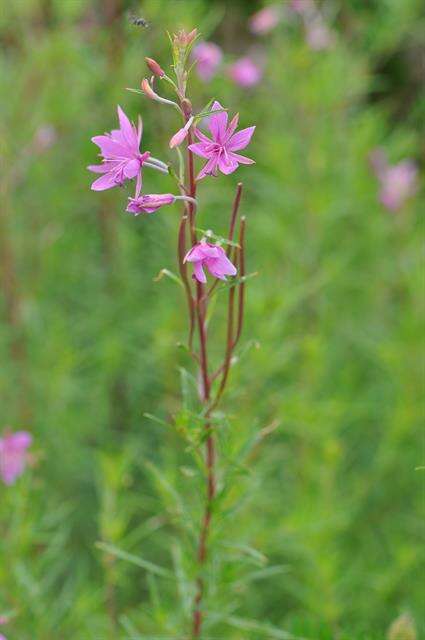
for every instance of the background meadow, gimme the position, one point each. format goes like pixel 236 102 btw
pixel 321 520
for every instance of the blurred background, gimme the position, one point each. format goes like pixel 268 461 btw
pixel 321 530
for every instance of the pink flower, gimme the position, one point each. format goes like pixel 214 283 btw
pixel 398 182
pixel 318 34
pixel 245 72
pixel 302 7
pixel 122 159
pixel 13 455
pixel 211 256
pixel 220 151
pixel 149 203
pixel 265 20
pixel 44 138
pixel 3 620
pixel 208 57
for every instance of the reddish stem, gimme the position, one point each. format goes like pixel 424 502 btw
pixel 185 278
pixel 233 219
pixel 201 309
pixel 192 188
pixel 241 303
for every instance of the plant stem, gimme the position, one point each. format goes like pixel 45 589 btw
pixel 210 466
pixel 241 304
pixel 234 216
pixel 192 189
pixel 183 272
pixel 210 456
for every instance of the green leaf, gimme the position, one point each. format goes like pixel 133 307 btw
pixel 150 416
pixel 169 274
pixel 129 628
pixel 204 114
pixel 253 625
pixel 139 562
pixel 262 574
pixel 210 235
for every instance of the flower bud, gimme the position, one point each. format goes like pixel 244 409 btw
pixel 147 89
pixel 191 36
pixel 182 39
pixel 181 134
pixel 154 67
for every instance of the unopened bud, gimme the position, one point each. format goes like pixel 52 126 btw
pixel 154 67
pixel 183 39
pixel 147 89
pixel 181 134
pixel 191 36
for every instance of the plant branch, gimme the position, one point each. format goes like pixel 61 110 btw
pixel 241 299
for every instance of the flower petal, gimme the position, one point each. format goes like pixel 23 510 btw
pixel 227 164
pixel 241 159
pixel 131 169
pixel 198 272
pixel 240 139
pixel 106 181
pixel 109 147
pixel 126 128
pixel 99 168
pixel 22 439
pixel 139 130
pixel 202 137
pixel 232 127
pixel 218 123
pixel 209 169
pixel 199 148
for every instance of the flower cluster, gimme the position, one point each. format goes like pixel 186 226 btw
pixel 247 71
pixel 398 182
pixel 122 161
pixel 13 455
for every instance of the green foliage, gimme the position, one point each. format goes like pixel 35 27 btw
pixel 317 522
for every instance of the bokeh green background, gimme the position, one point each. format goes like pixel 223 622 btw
pixel 321 530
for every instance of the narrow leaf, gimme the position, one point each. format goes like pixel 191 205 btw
pixel 139 562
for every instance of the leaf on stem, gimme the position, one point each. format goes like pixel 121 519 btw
pixel 139 562
pixel 210 235
pixel 267 629
pixel 169 274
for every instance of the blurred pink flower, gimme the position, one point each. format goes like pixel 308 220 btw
pixel 398 182
pixel 302 7
pixel 44 138
pixel 208 57
pixel 13 455
pixel 122 159
pixel 149 203
pixel 245 72
pixel 265 20
pixel 2 637
pixel 211 256
pixel 220 151
pixel 318 34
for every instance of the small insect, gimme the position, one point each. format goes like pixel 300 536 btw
pixel 139 22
